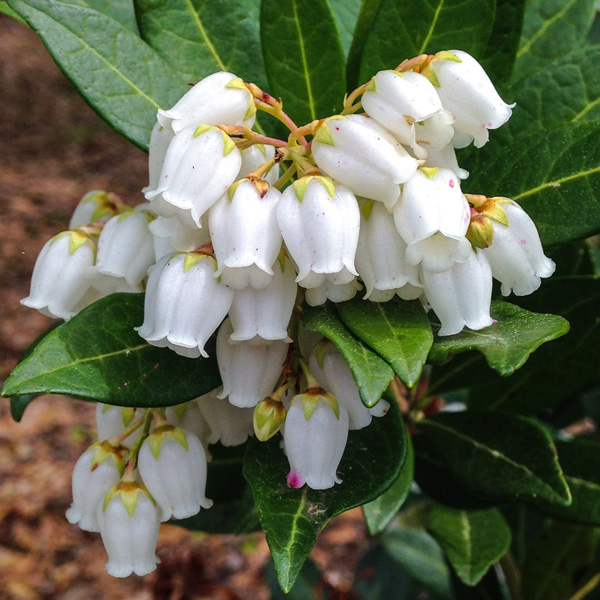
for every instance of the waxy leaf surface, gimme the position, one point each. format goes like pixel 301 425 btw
pixel 292 518
pixel 397 330
pixel 97 355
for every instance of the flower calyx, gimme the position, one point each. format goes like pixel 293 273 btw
pixel 104 450
pixel 129 491
pixel 310 399
pixel 155 439
pixel 269 416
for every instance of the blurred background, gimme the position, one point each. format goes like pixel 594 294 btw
pixel 54 149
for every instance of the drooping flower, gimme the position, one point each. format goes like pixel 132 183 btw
pixel 219 99
pixel 113 420
pixel 363 156
pixel 160 139
pixel 172 464
pixel 96 205
pixel 96 471
pixel 129 523
pixel 184 303
pixel 315 435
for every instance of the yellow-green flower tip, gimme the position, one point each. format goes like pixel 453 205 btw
pixel 192 258
pixel 429 72
pixel 481 231
pixel 233 187
pixel 447 55
pixel 372 87
pixel 201 129
pixel 237 84
pixel 366 207
pixel 268 417
pixel 228 144
pixel 429 171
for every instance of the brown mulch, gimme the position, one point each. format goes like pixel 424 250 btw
pixel 53 149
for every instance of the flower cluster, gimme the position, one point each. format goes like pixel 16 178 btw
pixel 228 241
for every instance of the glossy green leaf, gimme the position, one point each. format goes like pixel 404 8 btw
pixel 557 563
pixel 473 540
pixel 420 556
pixel 97 355
pixel 397 330
pixel 371 373
pixel 18 404
pixel 492 586
pixel 497 455
pixel 548 174
pixel 5 9
pixel 233 511
pixel 304 57
pixel 551 29
pixel 508 343
pixel 346 15
pixel 199 37
pixel 382 510
pixel 564 91
pixel 120 76
pixel 120 10
pixel 580 462
pixel 499 56
pixel 292 518
pixel 362 29
pixel 305 588
pixel 405 29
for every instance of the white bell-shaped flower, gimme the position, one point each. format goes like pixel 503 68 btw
pixel 516 254
pixel 445 159
pixel 96 205
pixel 229 424
pixel 466 90
pixel 249 372
pixel 96 471
pixel 125 252
pixel 219 99
pixel 245 234
pixel 160 139
pixel 332 291
pixel 200 164
pixel 253 157
pixel 129 523
pixel 380 256
pixel 188 416
pixel 333 373
pixel 172 464
pixel 461 296
pixel 58 284
pixel 315 435
pixel 184 303
pixel 178 237
pixel 434 133
pixel 363 156
pixel 261 316
pixel 113 420
pixel 397 100
pixel 320 222
pixel 432 217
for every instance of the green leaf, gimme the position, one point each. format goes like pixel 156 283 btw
pixel 580 462
pixel 383 509
pixel 121 77
pixel 18 404
pixel 405 29
pixel 548 174
pixel 551 29
pixel 364 24
pixel 371 374
pixel 508 343
pixel 233 511
pixel 556 565
pixel 5 9
pixel 421 557
pixel 199 37
pixel 305 587
pixel 304 57
pixel 499 57
pixel 292 518
pixel 97 355
pixel 565 91
pixel 491 587
pixel 120 10
pixel 397 330
pixel 497 455
pixel 473 541
pixel 346 15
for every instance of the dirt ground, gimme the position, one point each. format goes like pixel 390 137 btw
pixel 53 149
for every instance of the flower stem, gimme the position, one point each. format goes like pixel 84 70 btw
pixel 135 450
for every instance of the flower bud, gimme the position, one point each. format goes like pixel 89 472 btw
pixel 461 295
pixel 432 217
pixel 59 288
pixel 268 418
pixel 315 435
pixel 320 223
pixel 253 157
pixel 96 206
pixel 184 304
pixel 363 156
pixel 172 463
pixel 245 234
pixel 219 99
pixel 249 372
pixel 129 522
pixel 200 164
pixel 466 90
pixel 481 231
pixel 96 471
